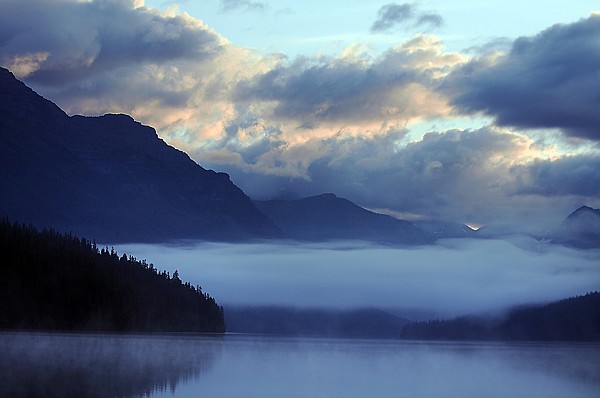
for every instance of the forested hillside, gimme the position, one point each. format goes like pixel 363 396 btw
pixel 53 281
pixel 572 319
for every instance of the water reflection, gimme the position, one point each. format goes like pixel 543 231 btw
pixel 90 365
pixel 257 366
pixel 377 368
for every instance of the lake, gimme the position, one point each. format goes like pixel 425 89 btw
pixel 116 365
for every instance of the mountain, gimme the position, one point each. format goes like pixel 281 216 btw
pixel 110 177
pixel 572 319
pixel 328 217
pixel 580 229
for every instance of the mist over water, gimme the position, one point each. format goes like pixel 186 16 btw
pixel 88 365
pixel 100 365
pixel 452 277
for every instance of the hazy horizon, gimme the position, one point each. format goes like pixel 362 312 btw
pixel 449 278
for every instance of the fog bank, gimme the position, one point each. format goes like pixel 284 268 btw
pixel 450 278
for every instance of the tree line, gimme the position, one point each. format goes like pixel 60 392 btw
pixel 57 281
pixel 572 319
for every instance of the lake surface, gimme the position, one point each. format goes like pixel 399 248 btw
pixel 108 365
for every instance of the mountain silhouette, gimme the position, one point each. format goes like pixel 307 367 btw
pixel 328 217
pixel 580 229
pixel 110 178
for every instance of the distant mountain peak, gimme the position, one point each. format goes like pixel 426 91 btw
pixel 584 211
pixel 580 229
pixel 329 217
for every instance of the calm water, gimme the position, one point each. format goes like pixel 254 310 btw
pixel 91 365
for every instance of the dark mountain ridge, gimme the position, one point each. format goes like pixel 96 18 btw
pixel 110 178
pixel 580 229
pixel 328 217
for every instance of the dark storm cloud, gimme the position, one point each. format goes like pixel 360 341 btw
pixel 63 41
pixel 550 80
pixel 571 175
pixel 392 15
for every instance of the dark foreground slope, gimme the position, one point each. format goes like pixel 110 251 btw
pixel 50 281
pixel 110 177
pixel 328 217
pixel 572 319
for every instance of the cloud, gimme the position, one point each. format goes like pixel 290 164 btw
pixel 569 175
pixel 86 39
pixel 434 20
pixel 392 15
pixel 353 88
pixel 546 81
pixel 343 123
pixel 230 5
pixel 281 116
pixel 173 72
pixel 450 278
pixel 484 176
pixel 166 69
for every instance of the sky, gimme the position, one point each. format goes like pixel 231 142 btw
pixel 484 113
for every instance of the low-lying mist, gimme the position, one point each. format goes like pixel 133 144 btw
pixel 450 278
